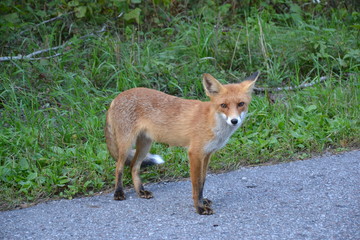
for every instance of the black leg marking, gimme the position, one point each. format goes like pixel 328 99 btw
pixel 207 202
pixel 205 210
pixel 144 193
pixel 119 192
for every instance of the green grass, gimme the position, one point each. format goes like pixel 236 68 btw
pixel 53 110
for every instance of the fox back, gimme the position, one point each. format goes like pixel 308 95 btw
pixel 179 122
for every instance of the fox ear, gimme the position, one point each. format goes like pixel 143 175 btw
pixel 253 76
pixel 250 81
pixel 211 85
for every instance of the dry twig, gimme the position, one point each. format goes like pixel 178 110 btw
pixel 32 55
pixel 278 89
pixel 47 21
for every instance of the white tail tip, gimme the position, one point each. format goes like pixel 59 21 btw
pixel 157 159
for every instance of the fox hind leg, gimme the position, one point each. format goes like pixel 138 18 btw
pixel 123 147
pixel 119 191
pixel 143 145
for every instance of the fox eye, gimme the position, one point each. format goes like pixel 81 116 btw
pixel 223 105
pixel 240 104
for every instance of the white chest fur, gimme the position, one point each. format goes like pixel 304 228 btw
pixel 222 132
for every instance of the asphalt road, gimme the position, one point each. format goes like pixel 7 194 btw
pixel 312 199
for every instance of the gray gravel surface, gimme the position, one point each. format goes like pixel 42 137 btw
pixel 312 199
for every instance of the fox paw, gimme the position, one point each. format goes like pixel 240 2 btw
pixel 119 195
pixel 207 202
pixel 145 194
pixel 205 210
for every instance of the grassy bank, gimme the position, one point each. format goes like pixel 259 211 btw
pixel 52 110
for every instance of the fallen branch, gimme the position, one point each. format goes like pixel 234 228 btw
pixel 278 89
pixel 32 55
pixel 47 21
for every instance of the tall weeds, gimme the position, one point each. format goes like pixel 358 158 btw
pixel 52 110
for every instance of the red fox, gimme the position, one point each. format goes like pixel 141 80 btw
pixel 140 116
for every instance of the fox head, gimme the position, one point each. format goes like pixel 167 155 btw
pixel 230 101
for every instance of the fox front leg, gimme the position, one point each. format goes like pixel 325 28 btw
pixel 198 168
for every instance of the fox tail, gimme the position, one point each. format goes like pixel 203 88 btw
pixel 150 159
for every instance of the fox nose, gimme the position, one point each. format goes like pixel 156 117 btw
pixel 234 121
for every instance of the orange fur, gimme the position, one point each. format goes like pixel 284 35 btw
pixel 140 115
